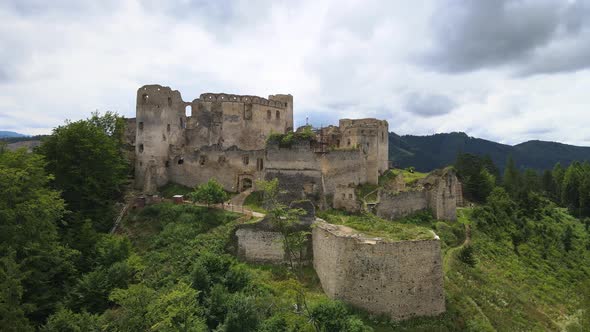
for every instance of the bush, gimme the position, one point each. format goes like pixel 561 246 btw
pixel 242 314
pixel 466 256
pixel 332 316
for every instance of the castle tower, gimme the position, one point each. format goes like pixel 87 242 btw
pixel 288 100
pixel 160 122
pixel 371 136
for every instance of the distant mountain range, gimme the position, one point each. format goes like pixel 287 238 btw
pixel 5 134
pixel 426 153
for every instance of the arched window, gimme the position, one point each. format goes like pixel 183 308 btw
pixel 145 98
pixel 278 115
pixel 169 101
pixel 187 111
pixel 140 148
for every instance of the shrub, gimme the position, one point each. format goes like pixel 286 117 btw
pixel 466 256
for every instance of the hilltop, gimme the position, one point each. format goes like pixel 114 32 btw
pixel 429 152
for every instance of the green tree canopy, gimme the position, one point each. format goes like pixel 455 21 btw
pixel 209 193
pixel 88 164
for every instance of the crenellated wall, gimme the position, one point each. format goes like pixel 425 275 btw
pixel 398 279
pixel 224 136
pixel 220 136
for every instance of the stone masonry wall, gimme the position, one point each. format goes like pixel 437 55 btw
pixel 398 279
pixel 398 205
pixel 260 246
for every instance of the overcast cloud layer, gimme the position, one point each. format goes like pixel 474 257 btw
pixel 508 71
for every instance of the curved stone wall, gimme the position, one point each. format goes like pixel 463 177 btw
pixel 399 279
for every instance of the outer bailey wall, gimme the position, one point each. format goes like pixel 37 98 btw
pixel 399 279
pixel 442 198
pixel 260 246
pixel 393 206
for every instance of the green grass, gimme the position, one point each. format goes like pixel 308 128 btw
pixel 506 290
pixel 371 225
pixel 254 202
pixel 367 192
pixel 171 189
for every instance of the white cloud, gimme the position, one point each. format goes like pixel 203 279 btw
pixel 63 59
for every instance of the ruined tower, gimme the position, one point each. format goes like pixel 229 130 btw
pixel 371 136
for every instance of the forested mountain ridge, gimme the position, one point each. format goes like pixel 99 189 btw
pixel 4 133
pixel 429 152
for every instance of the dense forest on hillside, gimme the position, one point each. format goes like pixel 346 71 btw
pixel 426 153
pixel 518 258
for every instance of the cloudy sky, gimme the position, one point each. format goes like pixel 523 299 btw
pixel 508 71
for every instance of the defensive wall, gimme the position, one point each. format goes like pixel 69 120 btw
pixel 398 279
pixel 261 242
pixel 437 192
pixel 224 136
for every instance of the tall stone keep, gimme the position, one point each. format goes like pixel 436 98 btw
pixel 372 137
pixel 160 124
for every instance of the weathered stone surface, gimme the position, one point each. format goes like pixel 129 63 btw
pixel 440 192
pixel 398 279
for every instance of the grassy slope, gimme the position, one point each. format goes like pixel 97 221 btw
pixel 374 226
pixel 506 291
pixel 170 238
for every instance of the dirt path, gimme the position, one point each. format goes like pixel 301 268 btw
pixel 238 200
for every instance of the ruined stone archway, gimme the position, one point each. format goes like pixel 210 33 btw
pixel 245 182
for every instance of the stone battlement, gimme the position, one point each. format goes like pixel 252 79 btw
pixel 224 97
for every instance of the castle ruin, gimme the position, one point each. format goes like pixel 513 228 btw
pixel 240 139
pixel 224 136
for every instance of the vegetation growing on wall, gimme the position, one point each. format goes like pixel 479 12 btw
pixel 287 140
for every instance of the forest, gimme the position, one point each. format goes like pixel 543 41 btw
pixel 518 258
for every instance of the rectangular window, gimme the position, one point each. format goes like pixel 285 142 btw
pixel 140 126
pixel 168 128
pixel 246 160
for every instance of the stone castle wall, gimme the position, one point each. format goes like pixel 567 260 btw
pixel 398 205
pixel 440 192
pixel 345 198
pixel 398 279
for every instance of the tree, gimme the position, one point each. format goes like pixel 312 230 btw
pixel 89 168
pixel 477 174
pixel 177 310
pixel 30 213
pixel 66 320
pixel 512 178
pixel 133 308
pixel 242 314
pixel 570 191
pixel 548 185
pixel 558 173
pixel 12 310
pixel 466 255
pixel 332 316
pixel 209 193
pixel 568 238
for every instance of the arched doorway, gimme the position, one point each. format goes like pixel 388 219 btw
pixel 246 184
